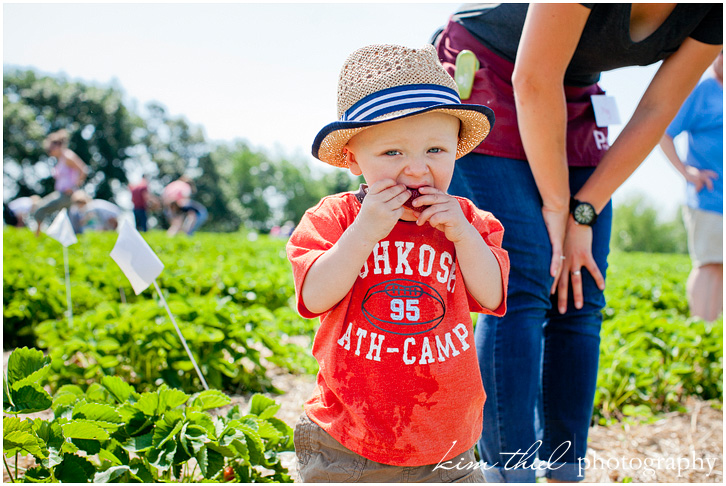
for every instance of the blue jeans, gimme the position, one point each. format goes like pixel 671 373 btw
pixel 141 219
pixel 533 358
pixel 201 213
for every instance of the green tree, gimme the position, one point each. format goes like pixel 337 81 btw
pixel 99 124
pixel 212 194
pixel 237 184
pixel 247 176
pixel 637 227
pixel 267 191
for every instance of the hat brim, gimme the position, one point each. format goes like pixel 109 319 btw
pixel 476 123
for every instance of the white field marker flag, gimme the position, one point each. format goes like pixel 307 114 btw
pixel 61 230
pixel 141 266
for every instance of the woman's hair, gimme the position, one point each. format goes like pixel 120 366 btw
pixel 57 137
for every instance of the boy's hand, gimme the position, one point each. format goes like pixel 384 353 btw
pixel 444 213
pixel 382 208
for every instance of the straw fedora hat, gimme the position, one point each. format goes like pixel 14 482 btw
pixel 381 83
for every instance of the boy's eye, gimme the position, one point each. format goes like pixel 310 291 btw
pixel 436 150
pixel 392 152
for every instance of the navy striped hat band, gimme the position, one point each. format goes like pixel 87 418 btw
pixel 381 83
pixel 398 98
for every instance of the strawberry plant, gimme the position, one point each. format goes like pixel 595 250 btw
pixel 110 433
pixel 233 300
pixel 652 353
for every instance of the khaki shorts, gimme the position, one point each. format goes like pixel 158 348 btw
pixel 322 459
pixel 705 236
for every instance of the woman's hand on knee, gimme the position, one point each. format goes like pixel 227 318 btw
pixel 578 255
pixel 556 223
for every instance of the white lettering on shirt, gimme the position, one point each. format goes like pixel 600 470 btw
pixel 383 257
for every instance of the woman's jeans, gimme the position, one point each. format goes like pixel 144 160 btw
pixel 533 358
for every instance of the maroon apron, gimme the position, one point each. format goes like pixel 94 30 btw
pixel 586 142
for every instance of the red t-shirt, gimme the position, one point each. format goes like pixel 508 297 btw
pixel 399 379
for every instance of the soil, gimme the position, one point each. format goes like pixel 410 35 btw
pixel 678 447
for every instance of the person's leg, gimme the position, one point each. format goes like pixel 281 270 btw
pixel 705 291
pixel 190 219
pixel 570 361
pixel 509 348
pixel 201 216
pixel 141 219
pixel 54 201
pixel 705 246
pixel 76 219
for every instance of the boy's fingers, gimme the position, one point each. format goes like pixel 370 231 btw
pixel 425 214
pixel 401 198
pixel 382 185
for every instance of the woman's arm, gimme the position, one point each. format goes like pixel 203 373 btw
pixel 664 96
pixel 669 88
pixel 549 39
pixel 75 161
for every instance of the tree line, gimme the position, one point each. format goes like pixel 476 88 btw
pixel 240 186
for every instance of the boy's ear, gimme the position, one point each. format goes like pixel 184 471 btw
pixel 352 164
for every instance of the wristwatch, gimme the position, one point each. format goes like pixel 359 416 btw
pixel 582 212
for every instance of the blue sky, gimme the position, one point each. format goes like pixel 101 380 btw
pixel 266 73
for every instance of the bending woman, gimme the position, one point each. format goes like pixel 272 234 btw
pixel 69 173
pixel 548 175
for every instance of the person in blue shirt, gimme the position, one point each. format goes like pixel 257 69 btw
pixel 701 116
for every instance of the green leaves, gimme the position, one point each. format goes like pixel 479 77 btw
pixel 84 429
pixel 263 406
pixel 96 432
pixel 209 399
pixel 118 388
pixel 652 354
pixel 26 366
pixel 232 300
pixel 158 402
pixel 210 461
pixel 21 391
pixel 19 437
pixel 74 469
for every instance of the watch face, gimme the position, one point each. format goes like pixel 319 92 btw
pixel 584 213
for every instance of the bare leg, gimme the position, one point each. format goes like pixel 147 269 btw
pixel 176 224
pixel 189 222
pixel 705 291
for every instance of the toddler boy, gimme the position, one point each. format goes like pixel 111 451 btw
pixel 394 271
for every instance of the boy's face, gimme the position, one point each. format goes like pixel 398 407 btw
pixel 416 151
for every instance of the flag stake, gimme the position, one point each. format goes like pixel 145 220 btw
pixel 178 331
pixel 68 286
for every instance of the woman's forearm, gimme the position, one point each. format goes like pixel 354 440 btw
pixel 669 88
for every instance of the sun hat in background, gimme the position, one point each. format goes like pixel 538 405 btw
pixel 381 83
